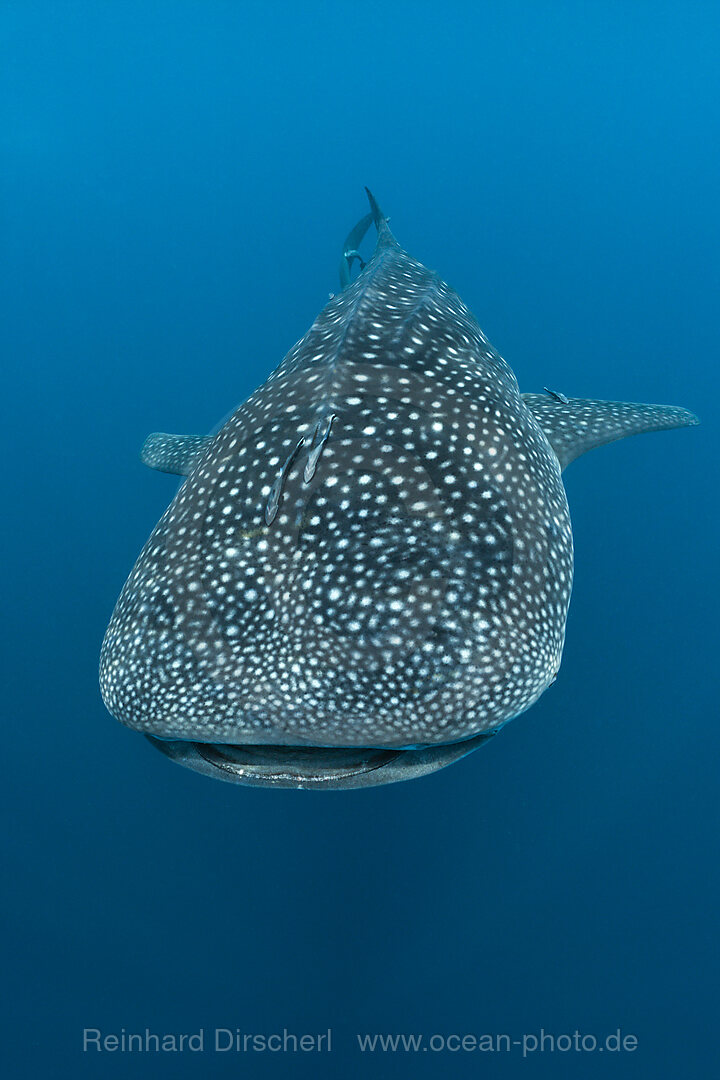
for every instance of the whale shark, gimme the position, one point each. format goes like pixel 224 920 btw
pixel 366 570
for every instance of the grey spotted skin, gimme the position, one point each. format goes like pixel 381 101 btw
pixel 368 568
pixel 575 425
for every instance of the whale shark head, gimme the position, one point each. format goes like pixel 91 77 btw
pixel 367 570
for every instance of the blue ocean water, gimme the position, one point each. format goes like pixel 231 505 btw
pixel 177 180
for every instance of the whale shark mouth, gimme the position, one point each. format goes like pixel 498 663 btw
pixel 319 768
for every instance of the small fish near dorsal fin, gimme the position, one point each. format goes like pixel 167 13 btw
pixel 176 454
pixel 573 426
pixel 356 235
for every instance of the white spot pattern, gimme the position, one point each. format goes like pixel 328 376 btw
pixel 412 582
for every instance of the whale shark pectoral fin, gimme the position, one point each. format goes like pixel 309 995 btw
pixel 176 454
pixel 573 426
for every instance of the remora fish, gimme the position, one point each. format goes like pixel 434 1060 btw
pixel 368 568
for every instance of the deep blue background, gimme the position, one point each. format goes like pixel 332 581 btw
pixel 176 181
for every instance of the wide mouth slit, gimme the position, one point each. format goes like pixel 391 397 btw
pixel 317 767
pixel 309 763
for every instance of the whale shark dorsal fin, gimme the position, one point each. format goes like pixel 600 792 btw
pixel 384 237
pixel 352 242
pixel 177 454
pixel 573 426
